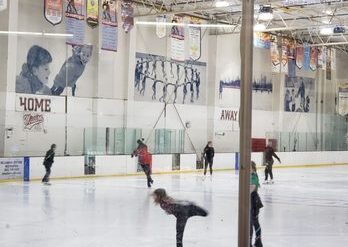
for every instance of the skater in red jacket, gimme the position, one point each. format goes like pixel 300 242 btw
pixel 144 160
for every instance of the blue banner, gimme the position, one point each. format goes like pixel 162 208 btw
pixel 307 57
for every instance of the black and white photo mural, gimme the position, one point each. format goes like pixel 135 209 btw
pixel 299 94
pixel 160 79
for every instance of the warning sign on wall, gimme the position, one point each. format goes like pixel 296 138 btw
pixel 11 168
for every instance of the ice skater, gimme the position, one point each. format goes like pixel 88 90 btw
pixel 48 162
pixel 268 155
pixel 209 153
pixel 144 160
pixel 255 205
pixel 182 210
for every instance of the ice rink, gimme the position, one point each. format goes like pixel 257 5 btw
pixel 305 207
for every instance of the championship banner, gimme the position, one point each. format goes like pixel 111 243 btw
pixel 299 56
pixel 262 40
pixel 322 58
pixel 195 39
pixel 314 58
pixel 53 11
pixel 92 13
pixel 11 168
pixel 328 63
pixel 333 59
pixel 161 28
pixel 34 122
pixel 306 57
pixel 292 60
pixel 343 99
pixel 275 57
pixel 3 5
pixel 109 25
pixel 177 38
pixel 75 24
pixel 284 63
pixel 127 14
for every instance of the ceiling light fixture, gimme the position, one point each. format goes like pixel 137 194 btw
pixel 221 4
pixel 151 23
pixel 326 31
pixel 265 13
pixel 259 27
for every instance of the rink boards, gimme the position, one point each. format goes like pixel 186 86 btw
pixel 74 166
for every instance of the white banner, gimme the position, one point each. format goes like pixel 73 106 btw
pixel 177 35
pixel 3 5
pixel 11 168
pixel 161 28
pixel 227 119
pixel 43 104
pixel 333 59
pixel 343 99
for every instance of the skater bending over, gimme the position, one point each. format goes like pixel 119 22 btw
pixel 209 157
pixel 255 205
pixel 48 161
pixel 182 210
pixel 144 160
pixel 269 154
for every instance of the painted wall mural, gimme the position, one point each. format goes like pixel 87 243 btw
pixel 157 78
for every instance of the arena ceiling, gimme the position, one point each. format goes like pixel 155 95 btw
pixel 300 19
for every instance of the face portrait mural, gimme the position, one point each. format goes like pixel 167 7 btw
pixel 72 69
pixel 34 77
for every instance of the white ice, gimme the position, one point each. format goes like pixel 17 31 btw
pixel 305 207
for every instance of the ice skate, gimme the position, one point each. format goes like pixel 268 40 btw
pixel 265 182
pixel 47 183
pixel 272 181
pixel 258 243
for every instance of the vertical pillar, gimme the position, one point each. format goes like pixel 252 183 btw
pixel 246 44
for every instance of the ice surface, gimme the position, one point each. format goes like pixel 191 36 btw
pixel 305 207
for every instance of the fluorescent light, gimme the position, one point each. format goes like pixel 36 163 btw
pixel 152 23
pixel 266 16
pixel 326 20
pixel 326 31
pixel 221 4
pixel 36 34
pixel 259 27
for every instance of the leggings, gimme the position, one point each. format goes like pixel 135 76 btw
pixel 182 214
pixel 210 163
pixel 268 170
pixel 147 171
pixel 46 178
pixel 254 224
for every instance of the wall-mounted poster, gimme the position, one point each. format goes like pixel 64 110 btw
pixel 343 99
pixel 127 14
pixel 195 39
pixel 177 39
pixel 109 25
pixel 3 5
pixel 92 13
pixel 299 94
pixel 158 78
pixel 275 56
pixel 262 40
pixel 161 28
pixel 53 11
pixel 75 25
pixel 314 58
pixel 299 56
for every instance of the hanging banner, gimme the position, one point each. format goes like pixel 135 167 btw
pixel 161 29
pixel 343 99
pixel 275 57
pixel 127 14
pixel 195 39
pixel 314 58
pixel 109 26
pixel 333 59
pixel 92 13
pixel 284 63
pixel 306 57
pixel 292 60
pixel 177 38
pixel 3 5
pixel 53 11
pixel 299 56
pixel 11 168
pixel 328 63
pixel 75 23
pixel 322 58
pixel 262 40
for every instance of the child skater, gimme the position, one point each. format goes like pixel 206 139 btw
pixel 182 210
pixel 255 205
pixel 209 157
pixel 144 160
pixel 269 154
pixel 48 161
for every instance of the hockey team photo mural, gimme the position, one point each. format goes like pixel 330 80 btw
pixel 157 78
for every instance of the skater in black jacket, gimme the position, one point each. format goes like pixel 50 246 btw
pixel 209 153
pixel 48 161
pixel 182 210
pixel 268 155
